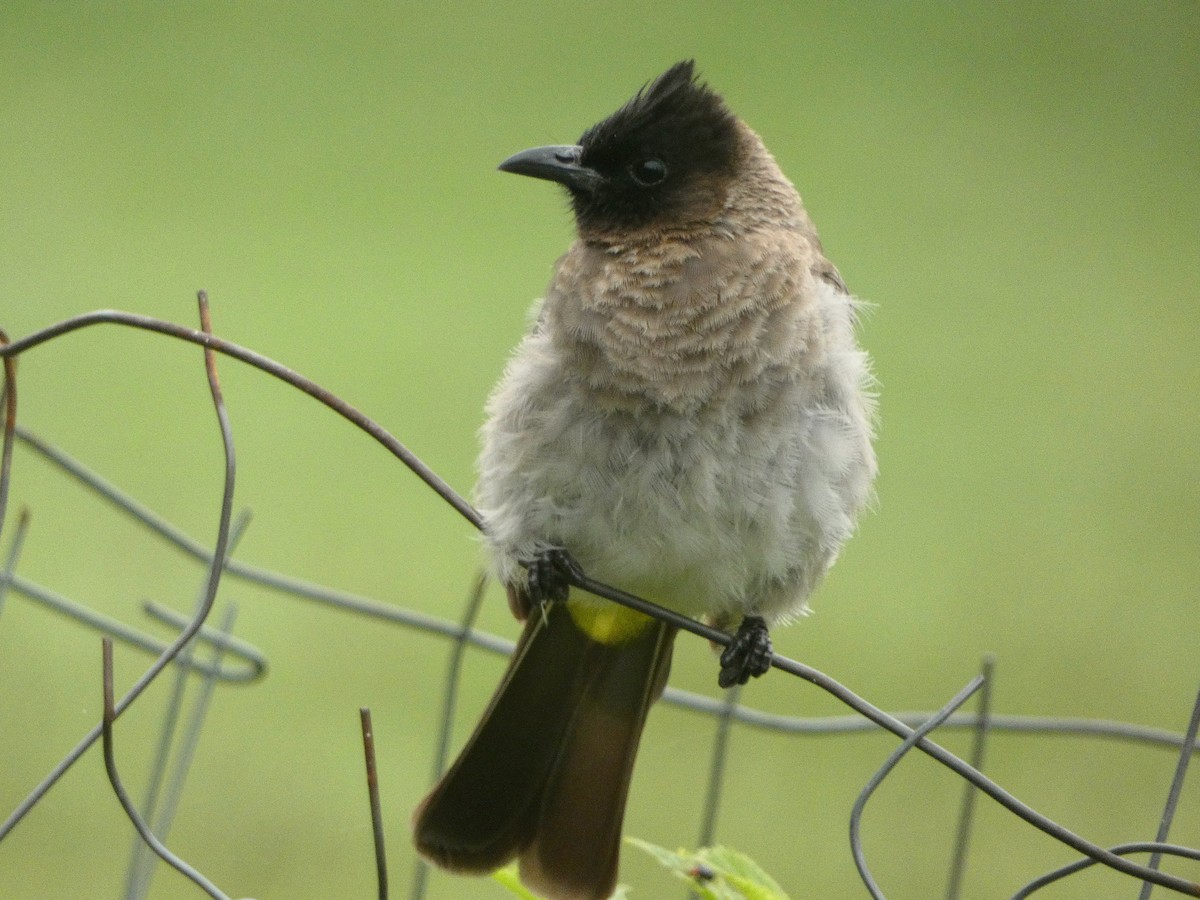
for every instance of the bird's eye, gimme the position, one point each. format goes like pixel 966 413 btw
pixel 647 172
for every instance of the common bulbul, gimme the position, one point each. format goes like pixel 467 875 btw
pixel 688 418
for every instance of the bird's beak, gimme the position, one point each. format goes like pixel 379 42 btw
pixel 557 163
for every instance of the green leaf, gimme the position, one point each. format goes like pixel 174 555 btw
pixel 740 868
pixel 716 873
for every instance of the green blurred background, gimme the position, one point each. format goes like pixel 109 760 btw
pixel 1015 186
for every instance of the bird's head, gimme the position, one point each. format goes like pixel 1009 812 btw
pixel 663 160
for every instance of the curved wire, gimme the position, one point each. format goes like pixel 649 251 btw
pixel 966 809
pixel 860 859
pixel 211 342
pixel 210 593
pixel 264 577
pixel 114 778
pixel 368 737
pixel 1174 792
pixel 716 767
pixel 255 663
pixel 449 698
pixel 1121 849
pixel 14 553
pixel 9 395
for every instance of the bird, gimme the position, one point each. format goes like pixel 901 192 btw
pixel 690 418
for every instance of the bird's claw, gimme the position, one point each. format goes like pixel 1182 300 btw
pixel 551 572
pixel 748 654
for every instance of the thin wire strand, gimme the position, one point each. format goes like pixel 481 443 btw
pixel 835 725
pixel 1164 825
pixel 989 787
pixel 214 580
pixel 210 342
pixel 189 740
pixel 449 702
pixel 140 872
pixel 716 770
pixel 114 778
pixel 9 395
pixel 966 812
pixel 716 773
pixel 275 581
pixel 860 860
pixel 1086 863
pixel 140 868
pixel 220 643
pixel 14 553
pixel 368 736
pixel 255 662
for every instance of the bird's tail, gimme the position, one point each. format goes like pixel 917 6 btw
pixel 546 773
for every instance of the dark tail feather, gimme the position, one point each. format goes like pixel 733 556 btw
pixel 575 849
pixel 547 771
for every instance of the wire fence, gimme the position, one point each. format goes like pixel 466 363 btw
pixel 216 656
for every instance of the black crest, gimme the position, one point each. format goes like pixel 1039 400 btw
pixel 674 141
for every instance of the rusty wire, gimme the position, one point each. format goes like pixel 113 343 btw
pixel 902 726
pixel 197 622
pixel 368 736
pixel 9 396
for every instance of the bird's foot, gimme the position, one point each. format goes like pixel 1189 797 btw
pixel 748 654
pixel 551 572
